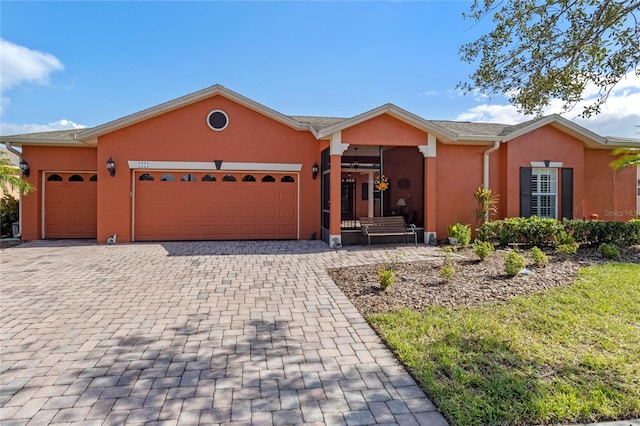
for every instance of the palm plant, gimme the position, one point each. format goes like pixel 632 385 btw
pixel 627 157
pixel 10 177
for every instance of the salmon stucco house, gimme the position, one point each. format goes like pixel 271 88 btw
pixel 215 165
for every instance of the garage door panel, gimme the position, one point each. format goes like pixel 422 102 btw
pixel 287 212
pixel 286 195
pixel 215 210
pixel 70 207
pixel 287 230
pixel 269 195
pixel 269 212
pixel 249 212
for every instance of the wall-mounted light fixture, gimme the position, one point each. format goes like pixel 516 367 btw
pixel 111 166
pixel 24 166
pixel 314 171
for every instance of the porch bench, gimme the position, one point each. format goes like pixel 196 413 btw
pixel 387 226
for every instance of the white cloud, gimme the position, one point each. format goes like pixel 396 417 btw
pixel 430 93
pixel 620 116
pixel 4 104
pixel 21 64
pixel 16 129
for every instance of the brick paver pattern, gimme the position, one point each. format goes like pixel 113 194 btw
pixel 195 333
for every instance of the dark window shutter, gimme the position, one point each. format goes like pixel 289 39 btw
pixel 525 191
pixel 567 193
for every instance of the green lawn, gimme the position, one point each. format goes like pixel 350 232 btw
pixel 562 356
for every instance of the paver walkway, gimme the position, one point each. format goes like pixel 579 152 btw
pixel 194 333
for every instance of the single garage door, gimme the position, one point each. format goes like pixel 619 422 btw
pixel 215 206
pixel 70 205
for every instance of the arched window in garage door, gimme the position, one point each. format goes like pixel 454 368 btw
pixel 146 176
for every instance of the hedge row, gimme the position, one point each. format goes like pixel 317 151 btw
pixel 536 231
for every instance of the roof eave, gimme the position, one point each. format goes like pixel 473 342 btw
pixel 615 142
pixel 478 139
pixel 18 141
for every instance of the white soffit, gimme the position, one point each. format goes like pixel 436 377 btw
pixel 211 166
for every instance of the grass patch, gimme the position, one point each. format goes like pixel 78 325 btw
pixel 563 356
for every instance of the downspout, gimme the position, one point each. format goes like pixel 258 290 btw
pixel 19 154
pixel 485 170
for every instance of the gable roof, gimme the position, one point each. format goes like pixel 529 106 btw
pixel 215 90
pixel 390 109
pixel 590 138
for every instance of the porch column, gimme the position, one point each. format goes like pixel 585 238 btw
pixel 336 150
pixel 429 153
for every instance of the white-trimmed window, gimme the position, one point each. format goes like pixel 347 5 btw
pixel 544 192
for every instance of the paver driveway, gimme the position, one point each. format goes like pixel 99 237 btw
pixel 194 333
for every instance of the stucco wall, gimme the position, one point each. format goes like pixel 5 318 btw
pixel 458 175
pixel 183 135
pixel 384 130
pixel 45 159
pixel 546 143
pixel 609 193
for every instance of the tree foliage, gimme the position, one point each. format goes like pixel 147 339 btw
pixel 10 176
pixel 627 157
pixel 541 50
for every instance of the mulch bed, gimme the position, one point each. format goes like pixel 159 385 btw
pixel 419 284
pixel 10 243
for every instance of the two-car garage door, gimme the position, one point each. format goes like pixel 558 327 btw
pixel 194 205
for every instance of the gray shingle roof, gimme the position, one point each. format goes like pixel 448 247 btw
pixel 469 128
pixel 318 123
pixel 56 134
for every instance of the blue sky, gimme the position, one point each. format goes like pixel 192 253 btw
pixel 68 64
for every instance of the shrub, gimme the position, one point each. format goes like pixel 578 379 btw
pixel 513 264
pixel 543 232
pixel 539 257
pixel 533 230
pixel 566 244
pixel 447 272
pixel 567 250
pixel 597 232
pixel 9 213
pixel 482 249
pixel 386 277
pixel 633 232
pixel 460 232
pixel 486 204
pixel 610 251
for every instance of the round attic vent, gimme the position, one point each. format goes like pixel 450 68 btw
pixel 217 120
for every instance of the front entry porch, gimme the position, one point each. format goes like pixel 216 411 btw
pixel 359 193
